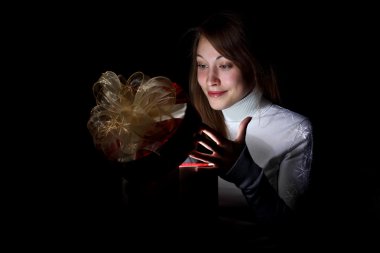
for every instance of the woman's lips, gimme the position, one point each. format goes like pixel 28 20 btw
pixel 215 94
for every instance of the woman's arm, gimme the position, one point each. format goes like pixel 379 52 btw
pixel 294 179
pixel 267 205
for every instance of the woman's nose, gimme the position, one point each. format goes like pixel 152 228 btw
pixel 213 77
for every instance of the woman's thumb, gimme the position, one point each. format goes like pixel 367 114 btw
pixel 242 129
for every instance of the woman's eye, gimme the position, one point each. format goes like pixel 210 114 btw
pixel 225 66
pixel 202 66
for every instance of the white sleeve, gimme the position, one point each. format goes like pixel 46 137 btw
pixel 294 172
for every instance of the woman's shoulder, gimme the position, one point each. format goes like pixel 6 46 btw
pixel 284 116
pixel 280 123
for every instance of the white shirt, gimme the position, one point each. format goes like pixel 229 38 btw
pixel 279 141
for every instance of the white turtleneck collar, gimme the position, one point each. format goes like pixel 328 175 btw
pixel 248 106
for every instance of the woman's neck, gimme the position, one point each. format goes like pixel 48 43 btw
pixel 248 105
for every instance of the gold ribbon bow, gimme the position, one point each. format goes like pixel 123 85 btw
pixel 135 117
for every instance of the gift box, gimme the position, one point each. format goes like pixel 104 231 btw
pixel 145 128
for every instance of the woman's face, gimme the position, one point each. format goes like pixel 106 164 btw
pixel 220 79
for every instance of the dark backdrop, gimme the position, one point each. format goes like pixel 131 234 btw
pixel 53 58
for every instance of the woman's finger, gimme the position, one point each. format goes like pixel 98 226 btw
pixel 204 158
pixel 212 136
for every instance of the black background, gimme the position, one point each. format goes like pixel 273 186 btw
pixel 54 53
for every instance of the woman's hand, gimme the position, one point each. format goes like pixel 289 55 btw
pixel 223 153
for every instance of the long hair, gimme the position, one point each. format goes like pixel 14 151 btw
pixel 227 33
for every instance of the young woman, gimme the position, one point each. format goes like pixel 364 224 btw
pixel 262 151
